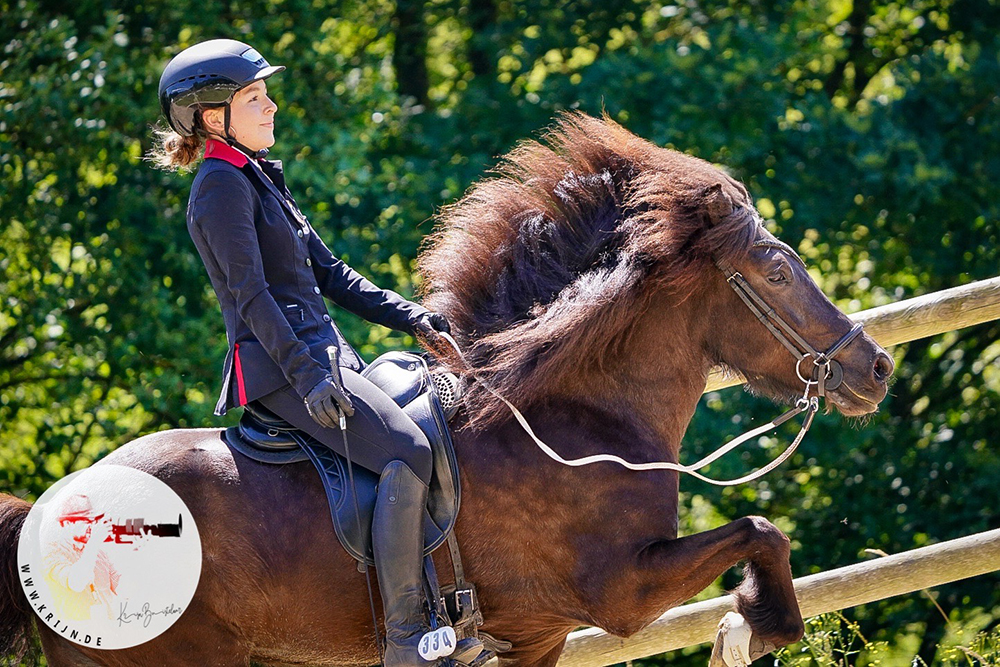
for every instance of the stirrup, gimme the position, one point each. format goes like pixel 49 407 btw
pixel 442 643
pixel 467 650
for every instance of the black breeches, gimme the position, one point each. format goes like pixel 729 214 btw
pixel 378 432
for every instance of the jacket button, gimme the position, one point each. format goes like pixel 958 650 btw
pixel 300 233
pixel 309 262
pixel 326 318
pixel 316 290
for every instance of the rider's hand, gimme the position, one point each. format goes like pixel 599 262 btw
pixel 323 400
pixel 430 325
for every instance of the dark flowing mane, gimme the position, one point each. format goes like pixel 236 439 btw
pixel 545 267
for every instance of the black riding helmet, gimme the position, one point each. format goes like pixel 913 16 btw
pixel 207 75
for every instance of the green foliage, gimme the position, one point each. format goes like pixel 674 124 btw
pixel 832 640
pixel 835 640
pixel 868 132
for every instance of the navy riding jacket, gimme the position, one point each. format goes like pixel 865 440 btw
pixel 270 271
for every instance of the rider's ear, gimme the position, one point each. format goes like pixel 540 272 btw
pixel 718 205
pixel 212 119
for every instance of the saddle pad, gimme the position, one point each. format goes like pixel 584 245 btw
pixel 406 378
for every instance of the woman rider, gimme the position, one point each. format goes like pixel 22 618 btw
pixel 270 271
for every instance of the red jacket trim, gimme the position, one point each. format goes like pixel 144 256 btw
pixel 241 389
pixel 220 151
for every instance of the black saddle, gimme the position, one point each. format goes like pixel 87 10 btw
pixel 429 399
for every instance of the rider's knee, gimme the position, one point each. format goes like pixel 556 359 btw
pixel 417 454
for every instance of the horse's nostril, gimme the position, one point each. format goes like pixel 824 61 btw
pixel 883 366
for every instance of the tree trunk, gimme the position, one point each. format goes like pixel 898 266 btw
pixel 410 52
pixel 482 46
pixel 856 23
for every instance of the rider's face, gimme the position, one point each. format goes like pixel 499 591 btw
pixel 251 119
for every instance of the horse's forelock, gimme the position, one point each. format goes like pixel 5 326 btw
pixel 544 267
pixel 672 226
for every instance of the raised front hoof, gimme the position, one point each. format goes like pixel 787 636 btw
pixel 735 644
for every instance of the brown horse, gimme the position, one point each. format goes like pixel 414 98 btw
pixel 584 284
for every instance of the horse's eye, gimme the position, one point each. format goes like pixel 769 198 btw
pixel 779 276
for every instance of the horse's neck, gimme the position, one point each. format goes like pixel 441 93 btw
pixel 611 420
pixel 637 408
pixel 659 390
pixel 636 405
pixel 664 398
pixel 507 479
pixel 662 370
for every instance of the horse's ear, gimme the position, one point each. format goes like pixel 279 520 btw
pixel 717 203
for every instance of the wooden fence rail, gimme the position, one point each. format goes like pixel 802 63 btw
pixel 919 317
pixel 844 587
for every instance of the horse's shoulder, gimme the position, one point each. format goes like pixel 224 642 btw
pixel 177 452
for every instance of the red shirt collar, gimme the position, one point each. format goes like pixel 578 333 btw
pixel 221 151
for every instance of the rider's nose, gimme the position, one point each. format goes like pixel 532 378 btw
pixel 883 367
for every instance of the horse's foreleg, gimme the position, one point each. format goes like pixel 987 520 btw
pixel 680 568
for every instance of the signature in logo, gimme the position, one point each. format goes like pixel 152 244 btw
pixel 145 614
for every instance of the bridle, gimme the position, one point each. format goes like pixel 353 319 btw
pixel 826 374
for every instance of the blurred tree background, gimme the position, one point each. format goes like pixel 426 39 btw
pixel 867 131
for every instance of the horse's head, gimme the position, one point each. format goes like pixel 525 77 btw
pixel 775 326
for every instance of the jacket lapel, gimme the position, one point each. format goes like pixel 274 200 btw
pixel 285 200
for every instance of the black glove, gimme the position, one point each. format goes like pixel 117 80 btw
pixel 323 400
pixel 429 325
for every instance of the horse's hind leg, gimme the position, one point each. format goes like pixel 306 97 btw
pixel 765 597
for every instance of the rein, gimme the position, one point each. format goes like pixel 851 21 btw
pixel 826 374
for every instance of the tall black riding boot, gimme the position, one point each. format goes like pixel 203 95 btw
pixel 398 543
